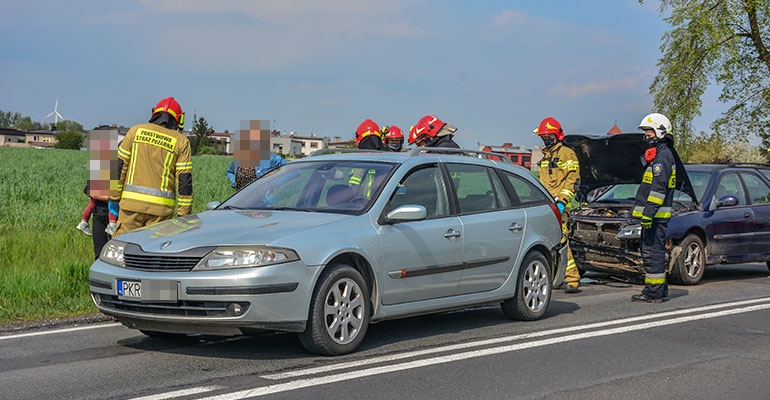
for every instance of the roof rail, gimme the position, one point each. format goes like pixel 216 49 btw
pixel 327 150
pixel 748 164
pixel 414 151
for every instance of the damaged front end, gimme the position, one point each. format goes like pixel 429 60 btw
pixel 603 239
pixel 602 235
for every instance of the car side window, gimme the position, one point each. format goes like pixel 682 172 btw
pixel 478 188
pixel 759 192
pixel 524 192
pixel 730 185
pixel 765 172
pixel 424 187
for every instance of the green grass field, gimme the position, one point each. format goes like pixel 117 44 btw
pixel 44 260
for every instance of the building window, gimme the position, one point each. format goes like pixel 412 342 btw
pixel 515 158
pixel 314 144
pixel 526 159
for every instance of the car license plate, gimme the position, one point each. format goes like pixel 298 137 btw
pixel 159 291
pixel 130 290
pixel 155 290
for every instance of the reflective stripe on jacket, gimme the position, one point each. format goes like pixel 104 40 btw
pixel 656 192
pixel 156 173
pixel 559 171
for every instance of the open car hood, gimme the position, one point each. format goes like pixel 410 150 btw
pixel 615 159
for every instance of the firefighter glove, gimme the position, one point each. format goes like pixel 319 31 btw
pixel 561 206
pixel 646 222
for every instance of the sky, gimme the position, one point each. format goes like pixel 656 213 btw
pixel 493 69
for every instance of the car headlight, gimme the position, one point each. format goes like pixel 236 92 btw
pixel 112 253
pixel 245 257
pixel 630 232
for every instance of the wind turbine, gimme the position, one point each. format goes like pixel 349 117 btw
pixel 55 112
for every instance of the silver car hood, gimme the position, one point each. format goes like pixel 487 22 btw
pixel 226 227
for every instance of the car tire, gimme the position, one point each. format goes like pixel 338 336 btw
pixel 533 289
pixel 339 312
pixel 691 263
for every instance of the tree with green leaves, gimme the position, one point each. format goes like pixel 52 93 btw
pixel 201 131
pixel 722 43
pixel 69 140
pixel 9 119
pixel 68 125
pixel 27 124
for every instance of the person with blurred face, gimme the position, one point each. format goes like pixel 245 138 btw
pixel 252 157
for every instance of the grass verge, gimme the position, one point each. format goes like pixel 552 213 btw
pixel 44 260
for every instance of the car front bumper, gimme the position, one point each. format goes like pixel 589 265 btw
pixel 228 301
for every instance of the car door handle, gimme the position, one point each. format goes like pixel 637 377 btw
pixel 515 227
pixel 451 234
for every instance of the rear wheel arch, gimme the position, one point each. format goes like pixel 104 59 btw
pixel 533 291
pixel 549 255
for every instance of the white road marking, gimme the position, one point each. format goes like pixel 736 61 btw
pixel 55 331
pixel 488 342
pixel 323 380
pixel 355 374
pixel 180 393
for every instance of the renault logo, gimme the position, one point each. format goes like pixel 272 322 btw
pixel 165 244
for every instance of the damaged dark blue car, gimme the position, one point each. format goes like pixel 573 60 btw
pixel 721 213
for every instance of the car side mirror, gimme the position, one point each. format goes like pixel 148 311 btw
pixel 212 205
pixel 406 213
pixel 727 201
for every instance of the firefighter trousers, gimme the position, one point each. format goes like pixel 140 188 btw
pixel 571 274
pixel 654 259
pixel 129 220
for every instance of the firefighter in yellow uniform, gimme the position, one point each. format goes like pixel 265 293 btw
pixel 155 170
pixel 368 137
pixel 559 172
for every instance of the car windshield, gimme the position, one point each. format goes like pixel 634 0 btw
pixel 626 193
pixel 699 181
pixel 323 185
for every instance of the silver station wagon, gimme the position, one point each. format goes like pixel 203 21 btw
pixel 325 245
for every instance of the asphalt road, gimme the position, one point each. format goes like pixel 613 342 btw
pixel 710 341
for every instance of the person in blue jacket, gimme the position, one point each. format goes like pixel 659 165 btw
pixel 249 174
pixel 252 157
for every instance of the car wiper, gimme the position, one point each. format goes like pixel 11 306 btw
pixel 293 209
pixel 230 208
